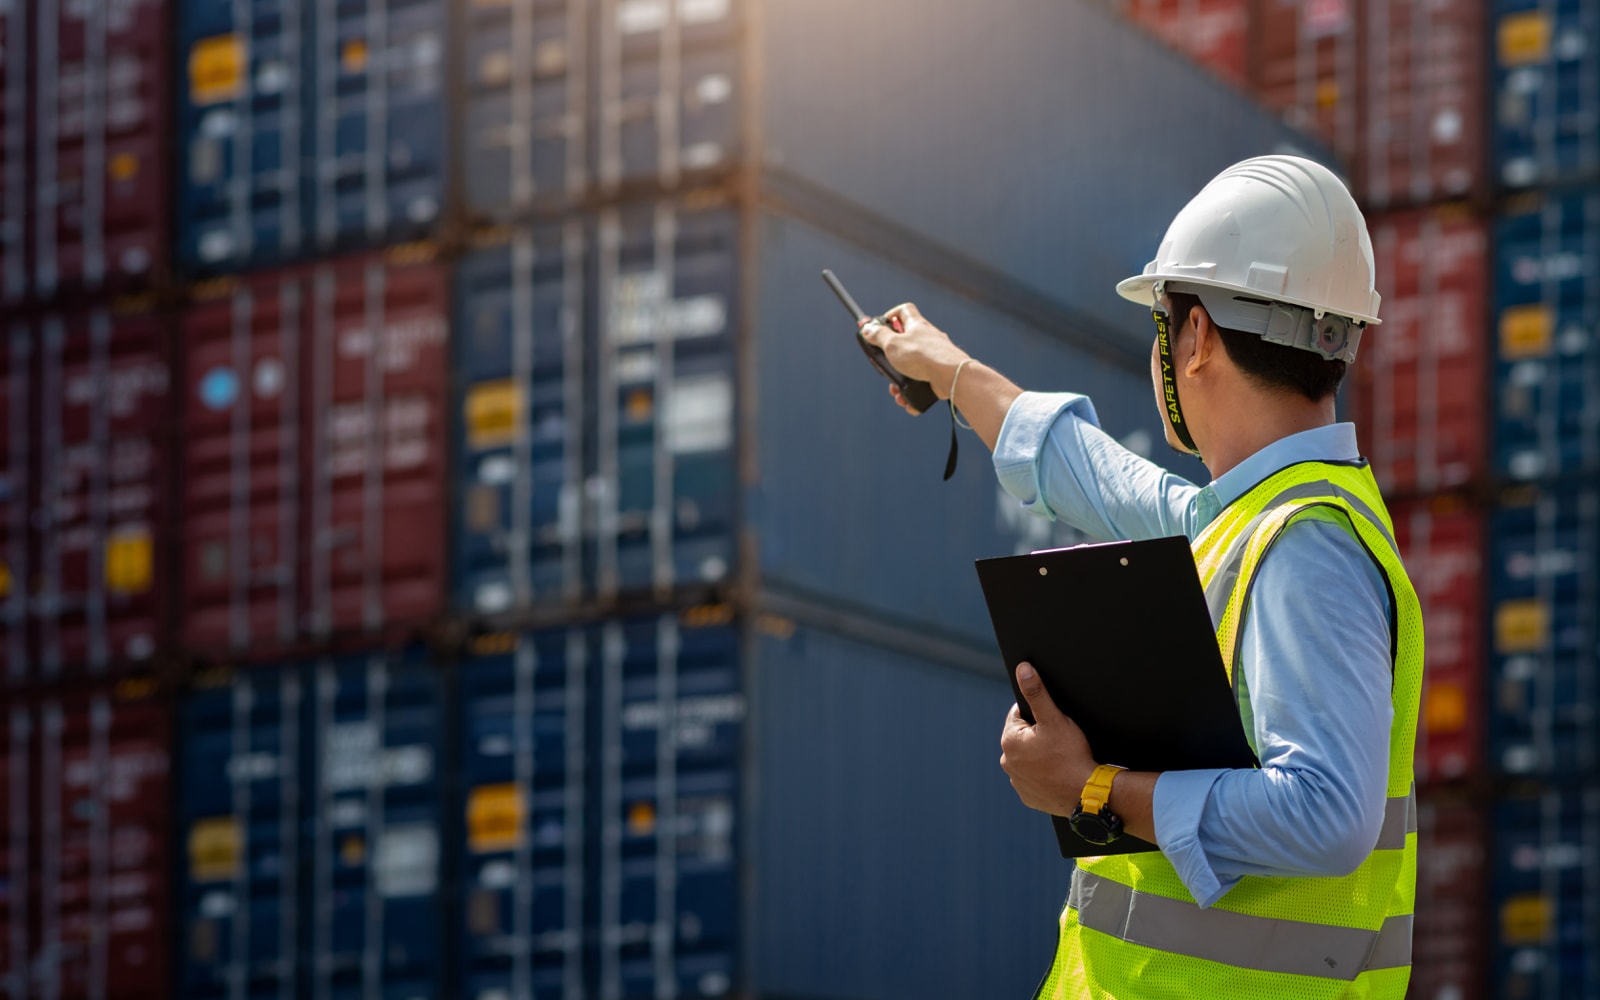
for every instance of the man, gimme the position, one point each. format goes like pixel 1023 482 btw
pixel 1295 879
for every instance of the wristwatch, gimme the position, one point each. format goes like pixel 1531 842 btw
pixel 1093 820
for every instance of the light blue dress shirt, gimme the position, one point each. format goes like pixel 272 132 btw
pixel 1314 655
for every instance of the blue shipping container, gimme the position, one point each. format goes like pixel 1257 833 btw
pixel 711 808
pixel 658 496
pixel 1547 92
pixel 308 127
pixel 1547 893
pixel 1544 606
pixel 309 804
pixel 1547 373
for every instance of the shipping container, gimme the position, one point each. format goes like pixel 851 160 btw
pixel 659 496
pixel 1545 910
pixel 1547 94
pixel 86 566
pixel 1441 542
pixel 313 454
pixel 1418 386
pixel 14 193
pixel 86 845
pixel 1544 611
pixel 1421 113
pixel 1214 33
pixel 100 137
pixel 1547 372
pixel 309 810
pixel 308 127
pixel 713 808
pixel 1306 66
pixel 1448 948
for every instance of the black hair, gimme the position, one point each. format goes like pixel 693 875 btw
pixel 1269 365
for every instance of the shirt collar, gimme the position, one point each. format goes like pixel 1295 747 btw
pixel 1332 443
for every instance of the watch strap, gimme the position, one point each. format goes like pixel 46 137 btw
pixel 1097 791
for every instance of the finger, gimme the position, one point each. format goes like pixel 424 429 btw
pixel 905 312
pixel 1039 700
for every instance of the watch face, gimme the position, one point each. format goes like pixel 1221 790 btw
pixel 1099 829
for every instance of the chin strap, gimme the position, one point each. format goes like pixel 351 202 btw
pixel 1169 384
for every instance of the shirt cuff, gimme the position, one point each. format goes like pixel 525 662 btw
pixel 1178 804
pixel 1022 435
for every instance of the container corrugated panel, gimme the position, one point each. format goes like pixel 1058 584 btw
pixel 1214 33
pixel 308 127
pixel 664 485
pixel 1038 80
pixel 310 813
pixel 1547 374
pixel 15 520
pixel 1307 67
pixel 1441 542
pixel 520 371
pixel 669 92
pixel 1421 138
pixel 1447 948
pixel 314 454
pixel 884 832
pixel 86 842
pixel 671 709
pixel 1544 613
pixel 1418 388
pixel 100 144
pixel 1545 911
pixel 95 579
pixel 526 121
pixel 524 787
pixel 1547 91
pixel 14 193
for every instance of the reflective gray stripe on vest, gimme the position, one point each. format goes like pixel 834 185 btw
pixel 1221 586
pixel 1265 944
pixel 1399 819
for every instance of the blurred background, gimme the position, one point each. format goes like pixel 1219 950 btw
pixel 450 547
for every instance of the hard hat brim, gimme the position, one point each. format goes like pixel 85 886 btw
pixel 1141 289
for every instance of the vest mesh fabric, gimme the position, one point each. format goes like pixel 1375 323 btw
pixel 1093 964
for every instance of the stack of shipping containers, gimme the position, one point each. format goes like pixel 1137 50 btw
pixel 450 546
pixel 1472 133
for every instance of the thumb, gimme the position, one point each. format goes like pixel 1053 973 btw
pixel 1039 700
pixel 873 332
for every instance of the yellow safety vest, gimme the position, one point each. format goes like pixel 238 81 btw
pixel 1131 930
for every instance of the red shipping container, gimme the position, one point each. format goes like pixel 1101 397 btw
pixel 1306 67
pixel 1419 382
pixel 100 132
pixel 1441 542
pixel 314 454
pixel 1449 953
pixel 1421 138
pixel 1214 33
pixel 86 846
pixel 16 478
pixel 87 496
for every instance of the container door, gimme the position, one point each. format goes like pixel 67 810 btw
pixel 524 770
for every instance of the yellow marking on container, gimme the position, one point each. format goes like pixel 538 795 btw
pixel 642 819
pixel 493 413
pixel 123 167
pixel 130 560
pixel 215 848
pixel 1526 920
pixel 495 816
pixel 353 56
pixel 1521 626
pixel 1444 707
pixel 1526 332
pixel 217 69
pixel 1523 38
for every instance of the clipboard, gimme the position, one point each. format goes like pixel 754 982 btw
pixel 1122 639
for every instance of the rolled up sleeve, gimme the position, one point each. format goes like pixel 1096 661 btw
pixel 1054 459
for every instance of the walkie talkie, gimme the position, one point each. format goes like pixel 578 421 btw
pixel 919 394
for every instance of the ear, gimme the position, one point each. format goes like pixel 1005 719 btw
pixel 1206 341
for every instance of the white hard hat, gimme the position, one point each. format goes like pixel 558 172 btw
pixel 1266 235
